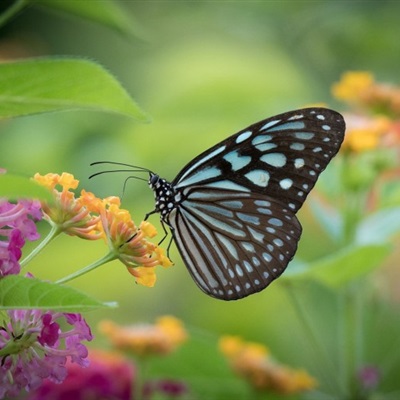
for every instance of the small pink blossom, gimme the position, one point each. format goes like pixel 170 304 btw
pixel 33 347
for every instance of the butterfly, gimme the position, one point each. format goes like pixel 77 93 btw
pixel 232 209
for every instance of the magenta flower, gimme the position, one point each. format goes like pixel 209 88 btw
pixel 33 347
pixel 16 225
pixel 110 376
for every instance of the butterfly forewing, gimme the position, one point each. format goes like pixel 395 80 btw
pixel 234 243
pixel 232 209
pixel 281 156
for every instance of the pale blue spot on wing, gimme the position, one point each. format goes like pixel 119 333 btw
pixel 239 270
pixel 201 175
pixel 226 184
pixel 297 146
pixel 269 124
pixel 248 266
pixel 259 177
pixel 265 211
pixel 267 257
pixel 243 136
pixel 257 235
pixel 275 221
pixel 261 139
pixel 251 219
pixel 235 204
pixel 304 135
pixel 237 161
pixel 288 125
pixel 326 127
pixel 274 159
pixel 201 161
pixel 248 247
pixel 263 147
pixel 256 261
pixel 262 203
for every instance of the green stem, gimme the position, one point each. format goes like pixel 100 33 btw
pixel 54 232
pixel 140 378
pixel 11 11
pixel 352 341
pixel 318 346
pixel 107 258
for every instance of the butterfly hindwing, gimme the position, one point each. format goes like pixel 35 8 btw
pixel 234 243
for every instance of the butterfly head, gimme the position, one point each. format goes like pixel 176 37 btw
pixel 165 195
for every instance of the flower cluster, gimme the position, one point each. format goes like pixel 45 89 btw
pixel 253 362
pixel 16 225
pixel 110 376
pixel 92 218
pixel 34 347
pixel 144 339
pixel 373 119
pixel 125 240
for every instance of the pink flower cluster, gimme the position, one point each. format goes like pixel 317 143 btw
pixel 16 225
pixel 33 347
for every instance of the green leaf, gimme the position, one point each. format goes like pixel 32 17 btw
pixel 328 217
pixel 105 12
pixel 14 187
pixel 47 84
pixel 347 265
pixel 18 292
pixel 379 227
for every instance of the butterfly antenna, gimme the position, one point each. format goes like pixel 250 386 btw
pixel 131 168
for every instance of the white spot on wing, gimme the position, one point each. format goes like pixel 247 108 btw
pixel 299 162
pixel 286 183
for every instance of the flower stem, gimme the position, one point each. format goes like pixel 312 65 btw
pixel 107 258
pixel 317 344
pixel 54 232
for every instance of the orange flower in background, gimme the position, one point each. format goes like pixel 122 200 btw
pixel 161 338
pixel 67 213
pixel 90 217
pixel 253 362
pixel 360 89
pixel 365 133
pixel 124 239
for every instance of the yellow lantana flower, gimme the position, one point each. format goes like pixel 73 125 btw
pixel 161 338
pixel 253 362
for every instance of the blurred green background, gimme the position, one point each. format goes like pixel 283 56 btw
pixel 203 70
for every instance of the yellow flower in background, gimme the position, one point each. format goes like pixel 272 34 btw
pixel 253 362
pixel 365 133
pixel 69 214
pixel 161 338
pixel 360 89
pixel 353 85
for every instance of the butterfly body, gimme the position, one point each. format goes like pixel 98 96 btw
pixel 232 210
